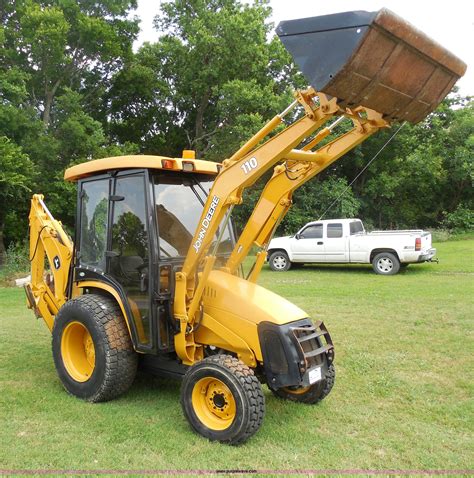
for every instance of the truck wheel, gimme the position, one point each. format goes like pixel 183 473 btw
pixel 312 394
pixel 279 261
pixel 386 263
pixel 222 399
pixel 92 350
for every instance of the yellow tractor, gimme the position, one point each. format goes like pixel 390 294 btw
pixel 154 277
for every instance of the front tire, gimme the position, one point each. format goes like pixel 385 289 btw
pixel 279 261
pixel 312 394
pixel 92 350
pixel 386 263
pixel 222 399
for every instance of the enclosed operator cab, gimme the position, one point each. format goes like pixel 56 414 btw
pixel 134 228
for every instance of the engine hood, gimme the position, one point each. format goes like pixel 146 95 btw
pixel 248 301
pixel 278 242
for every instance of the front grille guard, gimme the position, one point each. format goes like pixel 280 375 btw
pixel 315 344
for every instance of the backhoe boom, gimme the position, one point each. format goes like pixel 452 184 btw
pixel 47 238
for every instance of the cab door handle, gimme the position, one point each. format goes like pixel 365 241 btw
pixel 320 243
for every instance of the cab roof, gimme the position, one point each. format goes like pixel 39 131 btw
pixel 98 166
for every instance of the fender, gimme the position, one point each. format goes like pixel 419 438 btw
pixel 135 328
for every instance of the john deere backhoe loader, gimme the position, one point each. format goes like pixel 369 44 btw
pixel 154 274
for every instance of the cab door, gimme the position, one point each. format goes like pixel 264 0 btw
pixel 335 244
pixel 129 256
pixel 308 244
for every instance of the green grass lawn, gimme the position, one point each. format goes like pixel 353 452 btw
pixel 403 397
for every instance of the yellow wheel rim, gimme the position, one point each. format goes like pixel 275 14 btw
pixel 78 352
pixel 213 403
pixel 296 391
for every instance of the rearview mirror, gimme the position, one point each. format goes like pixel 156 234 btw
pixel 297 236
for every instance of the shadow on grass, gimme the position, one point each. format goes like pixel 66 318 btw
pixel 354 268
pixel 146 383
pixel 330 268
pixel 359 268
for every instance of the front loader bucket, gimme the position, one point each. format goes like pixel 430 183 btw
pixel 373 59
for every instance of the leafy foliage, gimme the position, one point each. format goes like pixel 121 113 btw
pixel 56 60
pixel 321 199
pixel 72 89
pixel 207 83
pixel 16 260
pixel 16 171
pixel 460 219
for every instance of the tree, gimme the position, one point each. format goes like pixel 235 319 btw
pixel 457 151
pixel 71 90
pixel 424 171
pixel 65 43
pixel 16 171
pixel 56 60
pixel 320 198
pixel 208 83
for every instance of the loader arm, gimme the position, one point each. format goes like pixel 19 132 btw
pixel 241 171
pixel 276 198
pixel 47 239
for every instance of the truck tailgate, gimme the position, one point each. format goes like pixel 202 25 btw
pixel 425 241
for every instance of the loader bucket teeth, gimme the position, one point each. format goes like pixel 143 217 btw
pixel 372 59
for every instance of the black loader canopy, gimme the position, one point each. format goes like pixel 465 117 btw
pixel 373 59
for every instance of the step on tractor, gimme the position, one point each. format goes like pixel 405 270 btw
pixel 154 277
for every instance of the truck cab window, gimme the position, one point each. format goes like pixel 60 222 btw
pixel 94 213
pixel 312 232
pixel 356 227
pixel 334 230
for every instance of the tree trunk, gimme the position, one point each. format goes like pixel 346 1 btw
pixel 199 126
pixel 2 247
pixel 48 102
pixel 47 108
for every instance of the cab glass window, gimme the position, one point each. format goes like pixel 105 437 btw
pixel 313 232
pixel 355 227
pixel 334 230
pixel 129 257
pixel 94 214
pixel 178 206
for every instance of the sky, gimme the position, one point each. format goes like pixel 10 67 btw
pixel 450 23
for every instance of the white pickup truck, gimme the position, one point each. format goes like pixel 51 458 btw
pixel 345 241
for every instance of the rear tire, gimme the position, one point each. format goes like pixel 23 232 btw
pixel 312 394
pixel 222 399
pixel 279 261
pixel 386 263
pixel 92 350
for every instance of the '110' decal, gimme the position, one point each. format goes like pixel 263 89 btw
pixel 249 165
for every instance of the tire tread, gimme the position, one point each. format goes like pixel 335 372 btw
pixel 315 394
pixel 252 390
pixel 121 359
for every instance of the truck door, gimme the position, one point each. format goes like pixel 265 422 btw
pixel 335 244
pixel 308 244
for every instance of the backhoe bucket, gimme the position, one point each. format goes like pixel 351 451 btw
pixel 373 59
